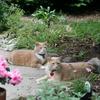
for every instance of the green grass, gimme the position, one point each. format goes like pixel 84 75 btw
pixel 87 29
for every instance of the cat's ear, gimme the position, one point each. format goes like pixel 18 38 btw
pixel 48 59
pixel 37 43
pixel 40 43
pixel 56 58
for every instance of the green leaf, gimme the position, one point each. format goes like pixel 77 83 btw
pixel 30 98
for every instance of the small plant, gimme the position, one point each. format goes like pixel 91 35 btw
pixel 77 86
pixel 63 91
pixel 45 14
pixel 52 91
pixel 74 90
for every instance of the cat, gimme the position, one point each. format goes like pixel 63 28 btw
pixel 57 70
pixel 29 58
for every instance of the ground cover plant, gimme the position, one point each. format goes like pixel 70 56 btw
pixel 9 16
pixel 73 90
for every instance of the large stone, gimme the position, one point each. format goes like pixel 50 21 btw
pixel 67 59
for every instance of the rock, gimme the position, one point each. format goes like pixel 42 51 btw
pixel 8 45
pixel 53 54
pixel 67 59
pixel 96 48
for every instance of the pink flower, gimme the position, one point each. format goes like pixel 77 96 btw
pixel 3 62
pixel 15 77
pixel 6 76
pixel 3 73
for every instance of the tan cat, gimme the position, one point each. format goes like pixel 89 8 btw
pixel 30 58
pixel 56 70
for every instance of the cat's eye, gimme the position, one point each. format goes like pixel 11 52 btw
pixel 40 47
pixel 58 62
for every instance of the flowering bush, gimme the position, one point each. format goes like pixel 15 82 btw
pixel 6 76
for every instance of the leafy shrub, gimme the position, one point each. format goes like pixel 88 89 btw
pixel 39 26
pixel 51 35
pixel 46 15
pixel 25 36
pixel 4 13
pixel 37 30
pixel 54 91
pixel 25 41
pixel 14 22
pixel 10 16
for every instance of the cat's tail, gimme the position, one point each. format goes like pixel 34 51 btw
pixel 95 62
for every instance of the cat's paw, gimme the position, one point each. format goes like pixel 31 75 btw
pixel 42 67
pixel 38 81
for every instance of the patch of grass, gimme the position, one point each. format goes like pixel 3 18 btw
pixel 81 55
pixel 87 29
pixel 93 77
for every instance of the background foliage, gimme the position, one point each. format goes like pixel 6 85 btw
pixel 65 5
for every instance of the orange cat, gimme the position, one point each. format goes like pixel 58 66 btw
pixel 30 58
pixel 56 70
